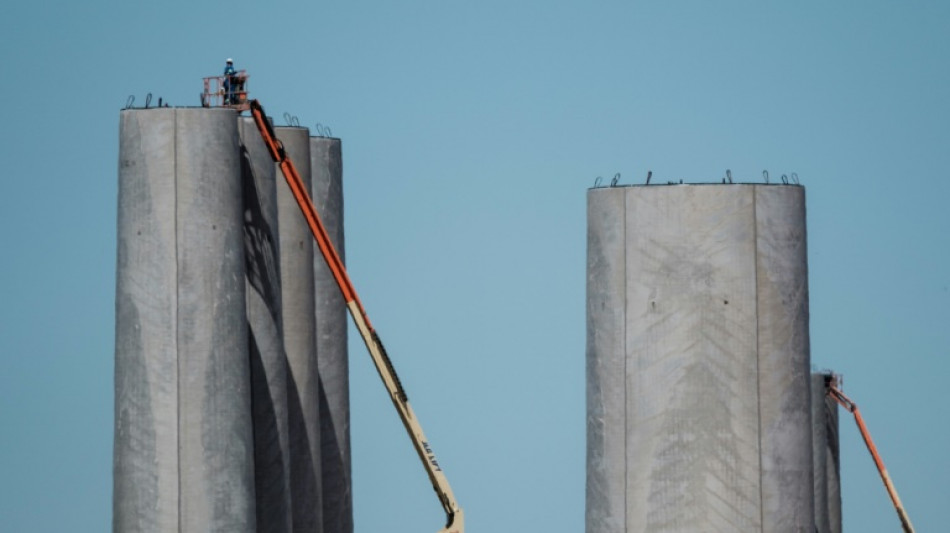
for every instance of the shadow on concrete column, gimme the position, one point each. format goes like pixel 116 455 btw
pixel 326 168
pixel 826 456
pixel 268 359
pixel 297 295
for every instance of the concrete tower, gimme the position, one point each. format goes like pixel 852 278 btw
pixel 268 359
pixel 297 288
pixel 698 404
pixel 326 169
pixel 232 396
pixel 183 454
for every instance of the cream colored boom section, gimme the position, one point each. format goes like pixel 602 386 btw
pixel 455 522
pixel 419 441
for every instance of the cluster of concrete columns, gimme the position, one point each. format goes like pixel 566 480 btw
pixel 231 394
pixel 699 392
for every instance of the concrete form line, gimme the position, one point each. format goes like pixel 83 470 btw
pixel 626 418
pixel 177 312
pixel 758 381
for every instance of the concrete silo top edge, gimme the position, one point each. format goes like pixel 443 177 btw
pixel 710 184
pixel 180 107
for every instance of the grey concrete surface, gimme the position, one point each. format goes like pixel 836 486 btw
pixel 697 301
pixel 297 295
pixel 183 452
pixel 326 168
pixel 825 456
pixel 267 356
pixel 606 388
pixel 784 359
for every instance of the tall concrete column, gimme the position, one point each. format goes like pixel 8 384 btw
pixel 825 453
pixel 606 509
pixel 697 360
pixel 183 453
pixel 326 168
pixel 784 358
pixel 297 295
pixel 267 356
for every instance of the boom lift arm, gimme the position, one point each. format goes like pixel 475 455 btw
pixel 455 522
pixel 852 407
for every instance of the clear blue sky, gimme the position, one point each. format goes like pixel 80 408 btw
pixel 471 131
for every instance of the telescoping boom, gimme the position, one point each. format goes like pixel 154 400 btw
pixel 455 522
pixel 835 393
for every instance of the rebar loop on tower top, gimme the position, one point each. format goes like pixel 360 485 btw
pixel 323 131
pixel 291 120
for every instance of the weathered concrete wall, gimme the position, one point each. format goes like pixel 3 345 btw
pixel 297 295
pixel 606 509
pixel 183 454
pixel 326 168
pixel 267 356
pixel 698 405
pixel 784 358
pixel 825 455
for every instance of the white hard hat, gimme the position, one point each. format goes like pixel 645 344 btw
pixel 230 60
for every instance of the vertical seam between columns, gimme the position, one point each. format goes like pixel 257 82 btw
pixel 177 336
pixel 758 380
pixel 626 418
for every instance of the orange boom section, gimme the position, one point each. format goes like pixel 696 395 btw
pixel 852 407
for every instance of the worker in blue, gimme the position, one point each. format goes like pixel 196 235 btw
pixel 229 82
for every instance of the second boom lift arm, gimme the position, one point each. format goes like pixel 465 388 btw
pixel 835 393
